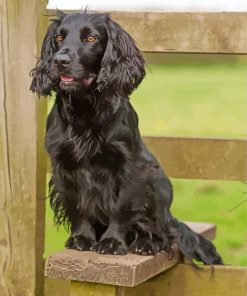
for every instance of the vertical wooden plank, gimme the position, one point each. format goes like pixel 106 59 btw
pixel 91 289
pixel 54 287
pixel 22 162
pixel 41 112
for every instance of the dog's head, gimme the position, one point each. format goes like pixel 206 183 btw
pixel 85 51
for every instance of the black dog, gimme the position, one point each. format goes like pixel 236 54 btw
pixel 106 185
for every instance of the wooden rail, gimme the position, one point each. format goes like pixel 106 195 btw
pixel 188 32
pixel 200 158
pixel 209 32
pixel 185 280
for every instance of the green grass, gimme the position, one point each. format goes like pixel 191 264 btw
pixel 198 100
pixel 208 100
pixel 216 202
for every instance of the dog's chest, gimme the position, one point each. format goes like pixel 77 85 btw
pixel 87 149
pixel 94 179
pixel 96 194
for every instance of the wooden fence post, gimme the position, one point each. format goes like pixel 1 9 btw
pixel 22 157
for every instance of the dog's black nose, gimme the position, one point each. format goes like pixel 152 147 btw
pixel 62 59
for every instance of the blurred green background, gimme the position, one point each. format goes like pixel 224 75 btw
pixel 194 95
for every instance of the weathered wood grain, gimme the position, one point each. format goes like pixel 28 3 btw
pixel 186 32
pixel 185 280
pixel 201 158
pixel 129 270
pixel 22 159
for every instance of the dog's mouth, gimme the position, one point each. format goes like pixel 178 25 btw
pixel 69 80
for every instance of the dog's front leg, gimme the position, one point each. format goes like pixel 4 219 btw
pixel 82 236
pixel 113 240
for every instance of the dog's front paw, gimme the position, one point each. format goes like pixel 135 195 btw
pixel 80 243
pixel 145 246
pixel 111 246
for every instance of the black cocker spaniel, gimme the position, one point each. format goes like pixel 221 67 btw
pixel 106 186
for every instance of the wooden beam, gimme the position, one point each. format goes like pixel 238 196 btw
pixel 187 32
pixel 220 32
pixel 22 158
pixel 187 281
pixel 128 270
pixel 201 158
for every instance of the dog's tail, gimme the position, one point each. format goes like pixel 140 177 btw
pixel 192 245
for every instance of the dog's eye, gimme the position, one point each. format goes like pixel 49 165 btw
pixel 59 38
pixel 89 39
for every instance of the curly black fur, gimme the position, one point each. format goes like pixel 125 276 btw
pixel 106 186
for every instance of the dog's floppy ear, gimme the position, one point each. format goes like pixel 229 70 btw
pixel 122 66
pixel 42 82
